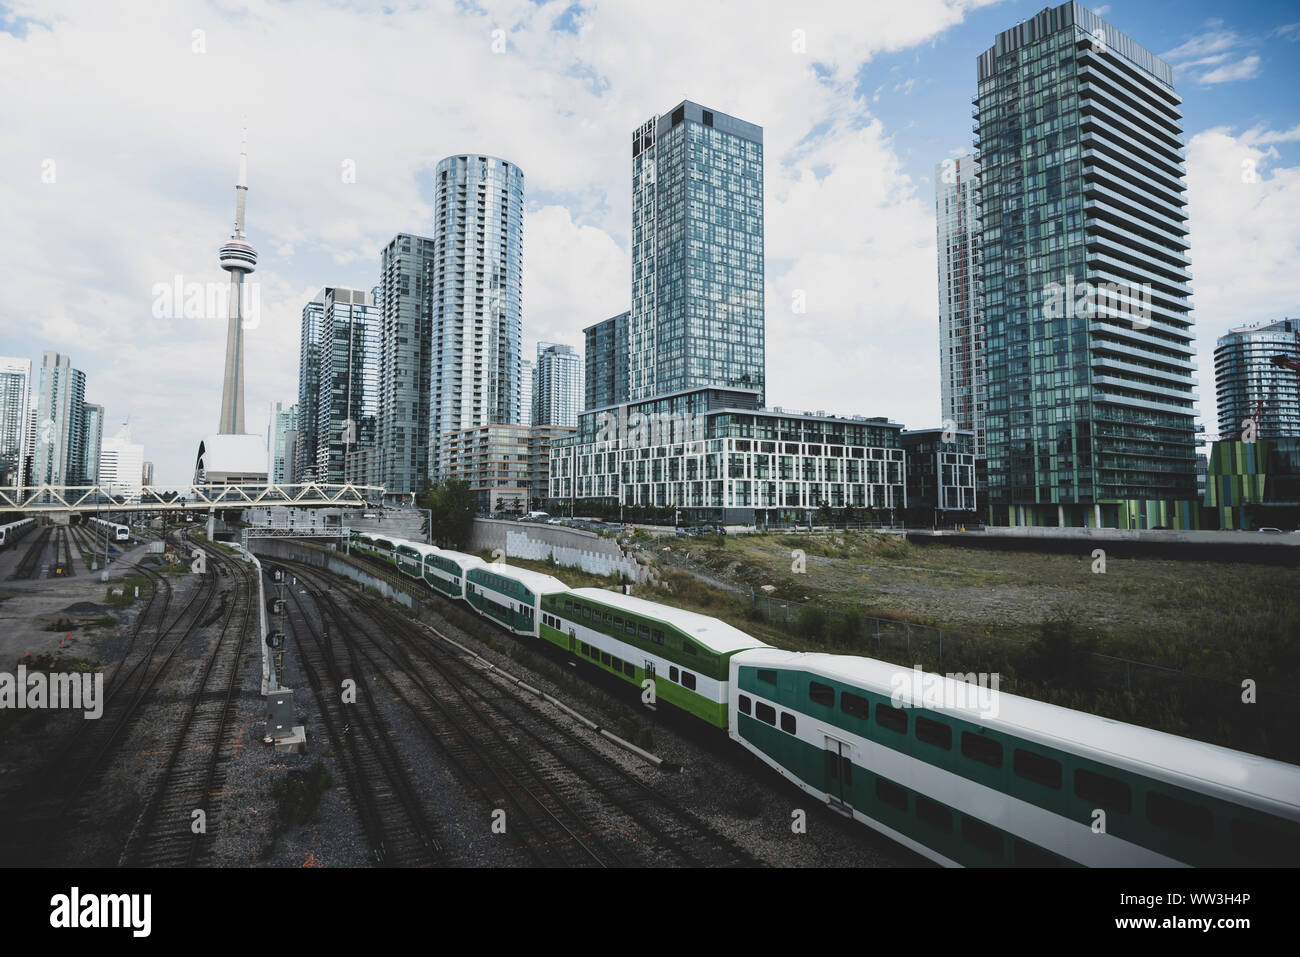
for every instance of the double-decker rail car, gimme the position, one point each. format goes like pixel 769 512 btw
pixel 686 654
pixel 445 570
pixel 409 557
pixel 510 596
pixel 963 776
pixel 115 532
pixel 972 778
pixel 14 531
pixel 376 546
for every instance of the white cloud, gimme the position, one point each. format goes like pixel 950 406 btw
pixel 1245 239
pixel 144 131
pixel 1246 68
pixel 1215 48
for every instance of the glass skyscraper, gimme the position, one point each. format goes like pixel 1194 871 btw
pixel 961 326
pixel 476 276
pixel 606 361
pixel 557 385
pixel 1088 328
pixel 58 456
pixel 15 386
pixel 92 431
pixel 308 390
pixel 697 254
pixel 1246 377
pixel 347 407
pixel 406 268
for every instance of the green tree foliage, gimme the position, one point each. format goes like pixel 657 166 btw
pixel 451 505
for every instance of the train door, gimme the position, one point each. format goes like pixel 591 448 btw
pixel 839 773
pixel 573 642
pixel 650 674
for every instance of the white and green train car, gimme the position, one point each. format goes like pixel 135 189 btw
pixel 970 779
pixel 409 557
pixel 509 596
pixel 445 570
pixel 376 546
pixel 686 654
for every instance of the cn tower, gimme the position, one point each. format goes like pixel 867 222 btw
pixel 238 257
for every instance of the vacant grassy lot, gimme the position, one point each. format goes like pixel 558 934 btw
pixel 1043 622
pixel 1222 619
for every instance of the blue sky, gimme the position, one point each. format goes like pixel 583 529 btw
pixel 136 109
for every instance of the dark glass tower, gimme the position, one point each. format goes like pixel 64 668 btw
pixel 1088 329
pixel 697 254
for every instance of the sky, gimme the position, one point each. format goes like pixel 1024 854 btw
pixel 121 123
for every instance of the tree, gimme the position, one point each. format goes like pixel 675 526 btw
pixel 451 505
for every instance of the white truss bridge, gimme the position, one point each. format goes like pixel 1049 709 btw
pixel 65 499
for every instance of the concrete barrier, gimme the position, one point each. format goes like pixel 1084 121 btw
pixel 570 547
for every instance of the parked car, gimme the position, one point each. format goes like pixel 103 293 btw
pixel 1270 528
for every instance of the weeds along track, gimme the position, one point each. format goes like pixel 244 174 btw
pixel 472 713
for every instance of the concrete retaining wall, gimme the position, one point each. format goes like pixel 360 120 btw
pixel 570 547
pixel 272 548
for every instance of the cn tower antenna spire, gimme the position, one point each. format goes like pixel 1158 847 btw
pixel 238 257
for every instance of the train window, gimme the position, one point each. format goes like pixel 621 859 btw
pixel 672 673
pixel 1036 768
pixel 981 749
pixel 629 669
pixel 643 631
pixel 933 813
pixel 605 617
pixel 855 706
pixel 586 613
pixel 618 622
pixel 568 603
pixel 1173 814
pixel 616 663
pixel 688 680
pixel 933 733
pixel 688 648
pixel 821 694
pixel 787 722
pixel 604 657
pixel 1103 790
pixel 891 794
pixel 744 704
pixel 1031 855
pixel 586 649
pixel 765 674
pixel 1260 843
pixel 630 627
pixel 893 719
pixel 657 636
pixel 978 834
pixel 765 713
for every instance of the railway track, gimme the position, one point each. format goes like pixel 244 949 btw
pixel 393 818
pixel 53 802
pixel 164 834
pixel 30 564
pixel 558 762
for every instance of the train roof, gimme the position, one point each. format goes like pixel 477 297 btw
pixel 1220 771
pixel 713 633
pixel 537 582
pixel 462 559
pixel 420 548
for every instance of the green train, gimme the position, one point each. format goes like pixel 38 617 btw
pixel 960 773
